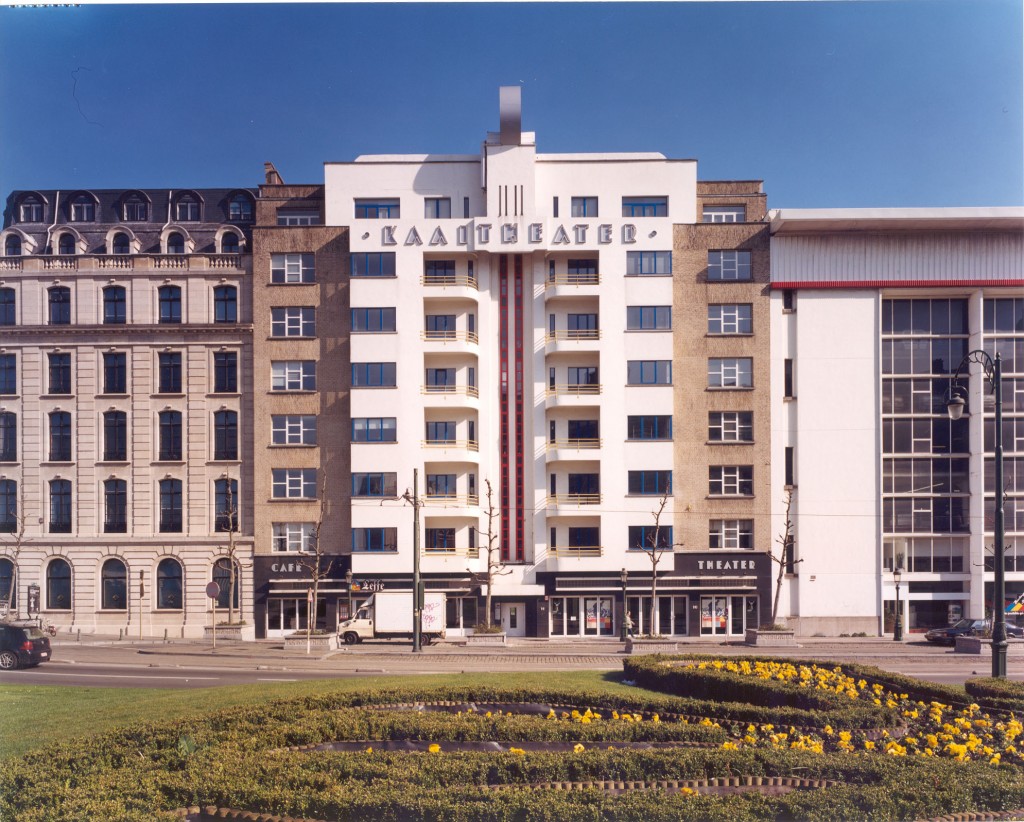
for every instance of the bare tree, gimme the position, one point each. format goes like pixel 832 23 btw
pixel 495 566
pixel 14 541
pixel 655 549
pixel 227 520
pixel 784 557
pixel 314 564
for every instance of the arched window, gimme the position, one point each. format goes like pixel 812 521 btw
pixel 115 309
pixel 83 209
pixel 12 245
pixel 225 304
pixel 229 243
pixel 6 306
pixel 187 208
pixel 121 244
pixel 8 506
pixel 7 590
pixel 170 303
pixel 240 208
pixel 168 585
pixel 58 585
pixel 66 243
pixel 31 210
pixel 175 243
pixel 59 300
pixel 222 576
pixel 114 582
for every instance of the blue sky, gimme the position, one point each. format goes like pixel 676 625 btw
pixel 831 104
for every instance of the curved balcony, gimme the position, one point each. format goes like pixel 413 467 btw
pixel 570 449
pixel 449 342
pixel 450 396
pixel 458 551
pixel 452 505
pixel 452 450
pixel 572 285
pixel 569 394
pixel 447 286
pixel 575 551
pixel 572 503
pixel 572 340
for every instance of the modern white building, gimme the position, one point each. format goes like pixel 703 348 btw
pixel 872 312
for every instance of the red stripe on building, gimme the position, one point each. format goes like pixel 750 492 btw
pixel 503 407
pixel 520 487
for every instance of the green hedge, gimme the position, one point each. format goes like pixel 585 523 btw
pixel 1006 692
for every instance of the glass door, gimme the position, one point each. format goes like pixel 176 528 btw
pixel 714 616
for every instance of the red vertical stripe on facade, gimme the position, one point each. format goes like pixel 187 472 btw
pixel 503 404
pixel 520 488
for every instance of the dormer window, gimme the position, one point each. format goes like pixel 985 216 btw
pixel 229 243
pixel 135 210
pixel 31 210
pixel 12 245
pixel 240 208
pixel 121 244
pixel 66 243
pixel 187 210
pixel 175 243
pixel 83 209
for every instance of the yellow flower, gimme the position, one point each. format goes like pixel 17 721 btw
pixel 434 748
pixel 869 745
pixel 730 746
pixel 517 751
pixel 578 748
pixel 828 730
pixel 655 718
pixel 994 760
pixel 369 750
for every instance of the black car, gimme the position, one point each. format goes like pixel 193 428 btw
pixel 22 646
pixel 969 627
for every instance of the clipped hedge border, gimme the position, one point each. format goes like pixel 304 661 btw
pixel 1003 691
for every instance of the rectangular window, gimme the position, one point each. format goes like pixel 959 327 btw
pixel 584 484
pixel 582 272
pixel 60 436
pixel 790 467
pixel 170 435
pixel 135 211
pixel 297 217
pixel 293 375
pixel 645 206
pixel 439 326
pixel 649 372
pixel 293 430
pixel 60 506
pixel 730 318
pixel 293 483
pixel 649 318
pixel 731 480
pixel 583 430
pixel 724 214
pixel 372 264
pixel 170 372
pixel 647 537
pixel 59 374
pixel 378 209
pixel 789 300
pixel 440 378
pixel 169 297
pixel 648 263
pixel 225 304
pixel 731 426
pixel 437 208
pixel 728 266
pixel 584 537
pixel 731 535
pixel 8 374
pixel 441 485
pixel 225 505
pixel 8 437
pixel 439 271
pixel 730 372
pixel 115 370
pixel 582 375
pixel 381 540
pixel 115 305
pixel 374 429
pixel 293 537
pixel 59 301
pixel 788 388
pixel 293 321
pixel 170 506
pixel 373 320
pixel 440 432
pixel 225 435
pixel 375 485
pixel 8 307
pixel 115 506
pixel 649 427
pixel 649 482
pixel 439 539
pixel 292 268
pixel 115 436
pixel 373 375
pixel 225 372
pixel 584 206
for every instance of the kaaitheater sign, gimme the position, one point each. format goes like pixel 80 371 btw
pixel 483 235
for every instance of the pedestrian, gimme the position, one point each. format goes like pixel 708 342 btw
pixel 629 625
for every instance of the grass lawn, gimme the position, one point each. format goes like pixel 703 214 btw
pixel 32 716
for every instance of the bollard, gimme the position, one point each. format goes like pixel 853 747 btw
pixel 165 635
pixel 120 634
pixel 79 635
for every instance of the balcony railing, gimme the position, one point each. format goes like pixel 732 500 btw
pixel 575 551
pixel 455 551
pixel 465 390
pixel 573 334
pixel 468 445
pixel 573 390
pixel 449 336
pixel 451 500
pixel 466 280
pixel 573 279
pixel 574 499
pixel 578 445
pixel 122 262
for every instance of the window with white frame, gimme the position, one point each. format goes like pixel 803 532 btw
pixel 293 375
pixel 584 206
pixel 731 480
pixel 730 318
pixel 294 538
pixel 297 217
pixel 293 321
pixel 293 430
pixel 293 483
pixel 292 268
pixel 724 214
pixel 437 208
pixel 731 535
pixel 730 372
pixel 728 266
pixel 731 426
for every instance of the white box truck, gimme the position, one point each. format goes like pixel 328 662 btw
pixel 388 615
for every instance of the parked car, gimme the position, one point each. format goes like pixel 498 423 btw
pixel 22 646
pixel 969 627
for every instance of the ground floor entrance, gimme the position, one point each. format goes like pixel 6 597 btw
pixel 513 618
pixel 582 616
pixel 286 615
pixel 728 615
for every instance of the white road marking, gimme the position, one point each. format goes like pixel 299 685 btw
pixel 277 680
pixel 123 676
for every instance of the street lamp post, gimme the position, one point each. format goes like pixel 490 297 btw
pixel 897 631
pixel 348 587
pixel 993 369
pixel 623 578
